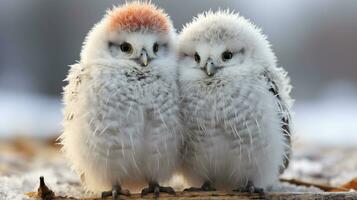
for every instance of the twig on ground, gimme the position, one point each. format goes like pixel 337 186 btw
pixel 322 187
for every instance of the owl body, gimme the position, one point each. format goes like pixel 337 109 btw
pixel 124 130
pixel 232 126
pixel 121 125
pixel 235 104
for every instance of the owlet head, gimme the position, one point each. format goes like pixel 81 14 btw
pixel 222 43
pixel 136 32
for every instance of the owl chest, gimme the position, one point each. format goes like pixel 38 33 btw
pixel 208 107
pixel 232 111
pixel 129 96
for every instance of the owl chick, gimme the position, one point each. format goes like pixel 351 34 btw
pixel 122 104
pixel 235 105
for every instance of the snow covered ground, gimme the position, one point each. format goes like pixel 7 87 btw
pixel 23 161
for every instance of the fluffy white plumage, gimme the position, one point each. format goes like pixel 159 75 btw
pixel 121 121
pixel 235 104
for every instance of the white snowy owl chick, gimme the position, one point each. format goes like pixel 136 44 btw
pixel 235 105
pixel 122 104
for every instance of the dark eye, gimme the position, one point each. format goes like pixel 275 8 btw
pixel 126 47
pixel 197 57
pixel 155 48
pixel 227 55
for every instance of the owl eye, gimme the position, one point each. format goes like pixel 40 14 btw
pixel 155 48
pixel 126 47
pixel 227 55
pixel 197 57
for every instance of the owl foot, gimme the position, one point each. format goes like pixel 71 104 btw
pixel 115 192
pixel 155 188
pixel 250 188
pixel 204 188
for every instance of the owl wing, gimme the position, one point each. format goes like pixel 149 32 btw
pixel 74 79
pixel 284 114
pixel 70 91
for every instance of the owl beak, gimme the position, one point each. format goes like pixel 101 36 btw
pixel 210 68
pixel 144 61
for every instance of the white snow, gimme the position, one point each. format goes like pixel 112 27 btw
pixel 64 182
pixel 329 120
pixel 29 115
pixel 58 178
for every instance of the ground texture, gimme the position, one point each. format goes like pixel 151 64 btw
pixel 23 161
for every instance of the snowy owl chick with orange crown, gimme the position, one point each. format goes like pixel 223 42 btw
pixel 121 125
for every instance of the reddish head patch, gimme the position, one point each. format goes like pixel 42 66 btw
pixel 138 15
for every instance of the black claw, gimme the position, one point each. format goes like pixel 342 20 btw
pixel 106 194
pixel 204 188
pixel 115 192
pixel 259 190
pixel 250 188
pixel 156 189
pixel 192 189
pixel 168 190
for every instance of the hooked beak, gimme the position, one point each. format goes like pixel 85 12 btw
pixel 144 58
pixel 210 68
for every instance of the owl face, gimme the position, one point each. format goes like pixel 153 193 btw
pixel 136 34
pixel 222 45
pixel 141 48
pixel 214 58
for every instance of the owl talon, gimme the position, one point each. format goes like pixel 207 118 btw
pixel 155 188
pixel 115 192
pixel 250 188
pixel 204 188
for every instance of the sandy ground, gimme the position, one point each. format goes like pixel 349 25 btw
pixel 23 161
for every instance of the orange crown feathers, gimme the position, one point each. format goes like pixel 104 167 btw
pixel 138 15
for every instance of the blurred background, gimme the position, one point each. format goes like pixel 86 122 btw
pixel 314 40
